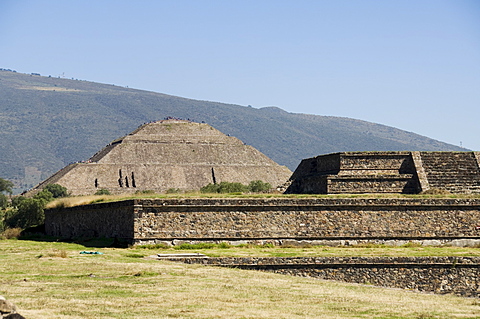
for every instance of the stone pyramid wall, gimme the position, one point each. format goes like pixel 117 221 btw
pixel 169 154
pixel 387 172
pixel 456 172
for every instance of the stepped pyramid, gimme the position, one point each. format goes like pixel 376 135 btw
pixel 169 154
pixel 456 172
pixel 388 172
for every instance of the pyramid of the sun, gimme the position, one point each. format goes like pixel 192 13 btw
pixel 169 154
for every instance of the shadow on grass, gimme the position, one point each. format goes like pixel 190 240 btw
pixel 37 233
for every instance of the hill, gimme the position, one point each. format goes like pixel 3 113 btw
pixel 48 122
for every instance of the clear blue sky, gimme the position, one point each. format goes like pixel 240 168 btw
pixel 411 64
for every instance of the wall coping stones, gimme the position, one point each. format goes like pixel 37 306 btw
pixel 293 202
pixel 337 261
pixel 287 202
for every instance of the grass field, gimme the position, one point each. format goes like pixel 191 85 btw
pixel 53 280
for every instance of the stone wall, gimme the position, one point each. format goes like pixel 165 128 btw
pixel 110 220
pixel 387 172
pixel 276 219
pixel 167 155
pixel 356 184
pixel 307 219
pixel 456 172
pixel 356 172
pixel 457 275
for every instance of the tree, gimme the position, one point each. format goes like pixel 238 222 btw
pixel 3 201
pixel 30 213
pixel 17 200
pixel 5 186
pixel 57 190
pixel 44 196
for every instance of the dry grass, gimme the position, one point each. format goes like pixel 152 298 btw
pixel 341 251
pixel 119 284
pixel 83 200
pixel 10 233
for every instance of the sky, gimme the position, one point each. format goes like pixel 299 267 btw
pixel 410 64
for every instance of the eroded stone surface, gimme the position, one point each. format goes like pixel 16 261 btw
pixel 320 220
pixel 8 310
pixel 387 172
pixel 171 154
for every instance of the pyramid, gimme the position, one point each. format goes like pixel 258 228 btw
pixel 169 154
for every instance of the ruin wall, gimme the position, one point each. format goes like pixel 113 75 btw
pixel 387 172
pixel 108 220
pixel 441 275
pixel 149 221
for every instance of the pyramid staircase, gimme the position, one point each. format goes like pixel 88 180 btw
pixel 356 173
pixel 456 172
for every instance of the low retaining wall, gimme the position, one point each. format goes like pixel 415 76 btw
pixel 149 221
pixel 111 220
pixel 442 275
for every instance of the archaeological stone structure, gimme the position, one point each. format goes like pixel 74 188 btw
pixel 387 172
pixel 299 222
pixel 316 221
pixel 169 154
pixel 441 275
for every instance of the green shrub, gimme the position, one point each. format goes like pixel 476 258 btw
pixel 210 188
pixel 17 200
pixel 224 245
pixel 44 196
pixel 173 191
pixel 224 187
pixel 6 186
pixel 30 212
pixel 57 190
pixel 102 191
pixel 3 214
pixel 145 191
pixel 236 188
pixel 259 186
pixel 3 201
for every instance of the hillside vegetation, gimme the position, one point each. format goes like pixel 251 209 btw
pixel 48 122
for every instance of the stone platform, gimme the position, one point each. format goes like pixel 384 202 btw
pixel 387 172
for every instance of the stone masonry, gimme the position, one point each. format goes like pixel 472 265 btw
pixel 387 172
pixel 286 221
pixel 278 220
pixel 169 154
pixel 441 275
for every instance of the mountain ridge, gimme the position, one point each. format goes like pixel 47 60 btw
pixel 49 122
